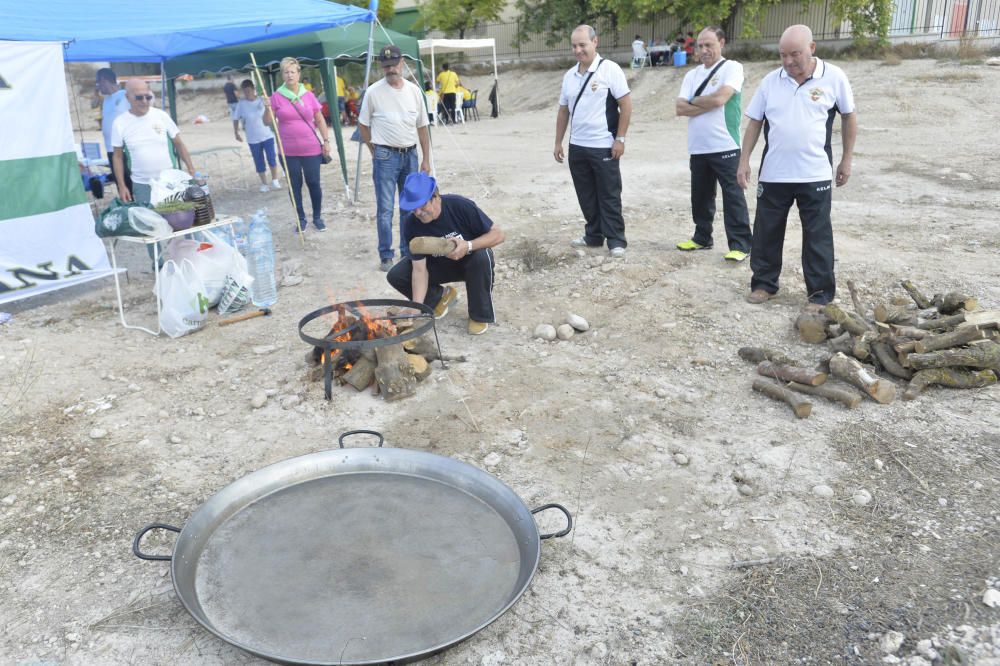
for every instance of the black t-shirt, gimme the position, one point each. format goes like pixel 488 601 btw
pixel 459 219
pixel 230 90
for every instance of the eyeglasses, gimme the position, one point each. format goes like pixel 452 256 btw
pixel 148 98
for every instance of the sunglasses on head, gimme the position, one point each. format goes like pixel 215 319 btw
pixel 148 98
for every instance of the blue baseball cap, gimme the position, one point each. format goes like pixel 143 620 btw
pixel 417 190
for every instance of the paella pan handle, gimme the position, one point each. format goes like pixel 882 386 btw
pixel 138 537
pixel 381 439
pixel 569 520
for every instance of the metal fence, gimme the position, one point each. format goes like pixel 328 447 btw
pixel 919 19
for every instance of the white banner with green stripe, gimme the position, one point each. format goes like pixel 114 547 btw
pixel 47 238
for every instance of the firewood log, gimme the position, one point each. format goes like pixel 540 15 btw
pixel 361 374
pixel 758 354
pixel 942 323
pixel 862 345
pixel 799 405
pixel 843 343
pixel 856 299
pixel 850 324
pixel 981 355
pixel 951 377
pixel 911 332
pixel 982 319
pixel 894 314
pixel 922 301
pixel 790 373
pixel 864 377
pixel 954 301
pixel 396 377
pixel 421 367
pixel 845 395
pixel 811 327
pixel 961 336
pixel 887 359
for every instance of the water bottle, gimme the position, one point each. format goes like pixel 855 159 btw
pixel 260 262
pixel 240 233
pixel 226 235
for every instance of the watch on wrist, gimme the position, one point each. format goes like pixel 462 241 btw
pixel 470 247
pixel 620 138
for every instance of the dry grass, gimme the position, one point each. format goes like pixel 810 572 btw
pixel 969 51
pixel 891 60
pixel 531 254
pixel 950 76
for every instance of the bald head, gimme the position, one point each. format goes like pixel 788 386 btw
pixel 139 96
pixel 796 49
pixel 584 43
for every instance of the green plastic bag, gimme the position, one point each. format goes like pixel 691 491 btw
pixel 114 221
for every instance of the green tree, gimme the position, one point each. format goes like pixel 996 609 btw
pixel 555 19
pixel 386 8
pixel 451 16
pixel 870 20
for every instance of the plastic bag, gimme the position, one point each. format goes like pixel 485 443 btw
pixel 213 260
pixel 171 183
pixel 148 222
pixel 114 220
pixel 182 296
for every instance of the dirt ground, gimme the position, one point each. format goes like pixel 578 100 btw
pixel 645 427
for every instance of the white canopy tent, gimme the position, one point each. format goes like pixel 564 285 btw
pixel 433 46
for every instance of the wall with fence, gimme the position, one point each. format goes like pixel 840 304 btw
pixel 920 19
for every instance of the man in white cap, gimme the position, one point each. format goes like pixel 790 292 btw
pixel 465 235
pixel 392 120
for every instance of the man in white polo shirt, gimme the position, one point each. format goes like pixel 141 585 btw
pixel 795 105
pixel 710 98
pixel 149 140
pixel 593 93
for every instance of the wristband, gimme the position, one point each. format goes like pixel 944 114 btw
pixel 470 247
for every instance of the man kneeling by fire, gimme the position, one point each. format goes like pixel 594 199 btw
pixel 450 240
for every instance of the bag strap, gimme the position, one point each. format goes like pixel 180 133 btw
pixel 580 94
pixel 312 125
pixel 708 78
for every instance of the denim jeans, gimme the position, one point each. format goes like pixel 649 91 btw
pixel 389 171
pixel 307 169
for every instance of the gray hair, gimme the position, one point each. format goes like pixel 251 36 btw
pixel 591 33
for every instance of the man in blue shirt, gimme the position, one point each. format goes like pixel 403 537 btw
pixel 115 104
pixel 472 236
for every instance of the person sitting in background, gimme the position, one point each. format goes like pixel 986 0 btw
pixel 656 57
pixel 433 104
pixel 638 52
pixel 260 139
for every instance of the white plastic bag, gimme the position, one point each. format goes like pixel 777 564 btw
pixel 182 295
pixel 149 222
pixel 211 261
pixel 169 183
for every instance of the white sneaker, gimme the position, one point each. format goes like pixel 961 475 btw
pixel 265 188
pixel 276 184
pixel 617 252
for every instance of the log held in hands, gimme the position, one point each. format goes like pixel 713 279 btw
pixel 801 406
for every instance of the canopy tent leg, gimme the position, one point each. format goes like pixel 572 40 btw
pixel 330 86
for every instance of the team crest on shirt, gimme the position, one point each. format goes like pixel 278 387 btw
pixel 714 81
pixel 815 94
pixel 159 129
pixel 593 86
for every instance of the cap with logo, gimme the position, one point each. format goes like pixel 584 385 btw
pixel 390 55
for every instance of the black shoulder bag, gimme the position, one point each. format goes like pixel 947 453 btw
pixel 323 157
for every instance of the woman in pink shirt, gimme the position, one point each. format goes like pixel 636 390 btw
pixel 299 116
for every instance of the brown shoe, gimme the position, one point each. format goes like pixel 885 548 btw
pixel 758 296
pixel 432 245
pixel 448 297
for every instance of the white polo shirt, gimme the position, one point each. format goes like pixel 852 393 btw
pixel 393 114
pixel 588 125
pixel 147 142
pixel 798 123
pixel 718 130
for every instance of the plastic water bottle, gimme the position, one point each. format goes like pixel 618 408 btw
pixel 260 261
pixel 240 235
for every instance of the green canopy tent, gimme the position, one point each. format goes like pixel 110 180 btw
pixel 324 48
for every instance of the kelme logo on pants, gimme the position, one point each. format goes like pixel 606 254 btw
pixel 760 190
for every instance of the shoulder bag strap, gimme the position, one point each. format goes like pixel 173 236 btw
pixel 708 78
pixel 312 125
pixel 580 94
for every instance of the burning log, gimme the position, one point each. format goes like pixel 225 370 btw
pixel 887 359
pixel 845 395
pixel 421 368
pixel 395 376
pixel 863 377
pixel 799 405
pixel 951 377
pixel 961 336
pixel 983 355
pixel 758 354
pixel 849 323
pixel 790 373
pixel 894 314
pixel 811 327
pixel 954 301
pixel 362 373
pixel 918 297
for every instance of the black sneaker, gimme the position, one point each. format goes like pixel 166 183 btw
pixel 319 225
pixel 301 227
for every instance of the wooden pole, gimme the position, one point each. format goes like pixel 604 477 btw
pixel 281 152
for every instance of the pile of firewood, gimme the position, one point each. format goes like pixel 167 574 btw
pixel 942 341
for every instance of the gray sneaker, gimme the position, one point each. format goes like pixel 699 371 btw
pixel 386 265
pixel 578 242
pixel 617 252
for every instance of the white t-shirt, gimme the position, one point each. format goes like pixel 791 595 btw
pixel 146 141
pixel 798 123
pixel 588 119
pixel 638 49
pixel 718 130
pixel 393 114
pixel 114 105
pixel 252 115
